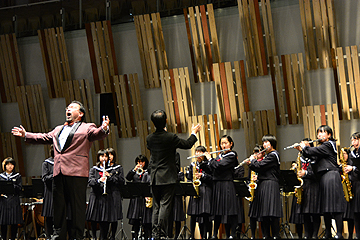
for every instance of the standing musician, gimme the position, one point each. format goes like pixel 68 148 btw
pixel 147 216
pixel 310 204
pixel 354 156
pixel 267 201
pixel 114 183
pixel 296 216
pixel 331 198
pixel 199 208
pixel 10 209
pixel 225 205
pixel 48 207
pixel 100 209
pixel 137 205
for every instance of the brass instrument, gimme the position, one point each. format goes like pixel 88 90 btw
pixel 299 189
pixel 148 202
pixel 139 171
pixel 252 186
pixel 196 181
pixel 345 178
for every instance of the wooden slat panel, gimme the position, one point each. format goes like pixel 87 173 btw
pixel 206 131
pixel 5 97
pixel 264 122
pixel 336 82
pixel 305 122
pixel 261 40
pixel 274 88
pixel 287 90
pixel 207 42
pixel 13 82
pixel 297 86
pixel 103 57
pixel 46 62
pixel 268 27
pixel 302 80
pixel 17 63
pixel 110 54
pixel 355 59
pixel 350 76
pixel 239 89
pixel 166 97
pixel 332 24
pixel 84 98
pixel 151 50
pixel 125 105
pixel 93 58
pixel 175 99
pixel 213 32
pixel 258 127
pixel 77 92
pixel 157 41
pixel 325 32
pixel 231 91
pixel 179 101
pixel 90 100
pixel 199 66
pixel 330 115
pixel 190 45
pixel 279 90
pixel 66 58
pixel 291 89
pixel 21 106
pixel 312 126
pixel 30 105
pixel 185 99
pixel 141 50
pixel 212 133
pixel 36 103
pixel 317 115
pixel 120 106
pixel 323 115
pixel 342 76
pixel 310 35
pixel 134 98
pixel 203 51
pixel 56 61
pixel 132 122
pixel 171 104
pixel 200 121
pixel 246 39
pixel 226 96
pixel 162 42
pixel 219 95
pixel 98 57
pixel 319 35
pixel 271 121
pixel 336 127
pixel 254 30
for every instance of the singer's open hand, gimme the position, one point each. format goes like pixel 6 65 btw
pixel 18 131
pixel 105 123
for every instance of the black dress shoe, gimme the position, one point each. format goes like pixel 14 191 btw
pixel 213 237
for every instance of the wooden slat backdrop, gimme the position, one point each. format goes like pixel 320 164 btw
pixel 55 60
pixel 143 132
pixel 315 116
pixel 204 42
pixel 11 147
pixel 209 135
pixel 294 86
pixel 177 96
pixel 231 91
pixel 253 37
pixel 320 16
pixel 102 55
pixel 32 109
pixel 150 40
pixel 11 74
pixel 129 105
pixel 347 81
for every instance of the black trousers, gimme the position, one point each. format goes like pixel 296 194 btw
pixel 69 192
pixel 163 201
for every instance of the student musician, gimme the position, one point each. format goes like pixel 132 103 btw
pixel 310 203
pixel 354 171
pixel 47 178
pixel 147 217
pixel 10 209
pixel 332 200
pixel 296 216
pixel 225 204
pixel 100 206
pixel 267 201
pixel 199 207
pixel 114 183
pixel 137 205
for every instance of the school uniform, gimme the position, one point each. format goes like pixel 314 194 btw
pixel 136 205
pixel 47 178
pixel 114 182
pixel 354 157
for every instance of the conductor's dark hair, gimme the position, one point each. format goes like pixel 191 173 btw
pixel 258 148
pixel 7 161
pixel 229 139
pixel 326 128
pixel 158 118
pixel 200 149
pixel 112 152
pixel 309 140
pixel 355 135
pixel 99 154
pixel 142 158
pixel 82 109
pixel 271 139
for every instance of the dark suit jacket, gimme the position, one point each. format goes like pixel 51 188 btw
pixel 162 146
pixel 73 159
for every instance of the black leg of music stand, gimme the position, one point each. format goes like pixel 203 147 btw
pixel 121 232
pixel 185 228
pixel 286 226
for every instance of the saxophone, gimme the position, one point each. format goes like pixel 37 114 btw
pixel 196 181
pixel 148 202
pixel 298 189
pixel 345 178
pixel 252 186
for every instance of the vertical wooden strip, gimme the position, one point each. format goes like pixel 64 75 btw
pixel 323 114
pixel 212 133
pixel 231 91
pixel 6 68
pixel 207 41
pixel 189 92
pixel 302 80
pixel 2 80
pixel 112 47
pixel 127 105
pixel 44 122
pixel 84 98
pixel 55 55
pixel 200 121
pixel 21 106
pixel 246 133
pixel 171 102
pixel 286 86
pixel 343 85
pixel 251 130
pixel 258 37
pixel 317 115
pixel 154 65
pixel 110 54
pixel 297 86
pixel 310 35
pixel 355 59
pixel 330 115
pixel 274 88
pixel 179 97
pixel 66 58
pixel 175 99
pixel 319 35
pixel 16 61
pixel 185 98
pixel 206 131
pixel 213 33
pixel 325 32
pixel 194 32
pixel 162 42
pixel 305 122
pixel 240 95
pixel 291 89
pixel 141 50
pixel 165 96
pixel 146 51
pixel 226 96
pixel 246 39
pixel 271 121
pixel 20 157
pixel 90 102
pixel 190 45
pixel 120 107
pixel 46 62
pixel 279 91
pixel 92 57
pixel 350 76
pixel 336 127
pixel 312 127
pixel 103 57
pixel 157 41
pixel 219 94
pixel 264 122
pixel 134 98
pixel 97 52
pixel 332 24
pixel 258 127
pixel 30 105
pixel 336 82
pixel 202 43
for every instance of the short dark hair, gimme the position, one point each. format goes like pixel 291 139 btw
pixel 258 148
pixel 112 152
pixel 158 118
pixel 355 135
pixel 326 128
pixel 271 138
pixel 200 149
pixel 101 152
pixel 7 161
pixel 229 139
pixel 142 158
pixel 82 109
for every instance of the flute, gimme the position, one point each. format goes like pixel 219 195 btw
pixel 224 150
pixel 247 159
pixel 298 144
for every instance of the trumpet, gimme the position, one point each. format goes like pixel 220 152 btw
pixel 298 144
pixel 139 171
pixel 247 159
pixel 195 156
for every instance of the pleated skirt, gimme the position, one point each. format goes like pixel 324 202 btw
pixel 225 202
pixel 48 208
pixel 147 218
pixel 10 210
pixel 202 204
pixel 117 201
pixel 267 200
pixel 311 197
pixel 136 209
pixel 331 193
pixel 295 216
pixel 101 209
pixel 356 198
pixel 179 214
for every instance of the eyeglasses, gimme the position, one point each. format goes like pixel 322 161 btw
pixel 72 107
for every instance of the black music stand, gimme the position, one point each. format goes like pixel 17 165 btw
pixel 37 187
pixel 288 181
pixel 185 189
pixel 242 191
pixel 7 188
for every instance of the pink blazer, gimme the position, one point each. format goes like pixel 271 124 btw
pixel 73 159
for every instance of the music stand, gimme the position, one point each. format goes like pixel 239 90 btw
pixel 7 188
pixel 37 187
pixel 185 189
pixel 242 191
pixel 288 181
